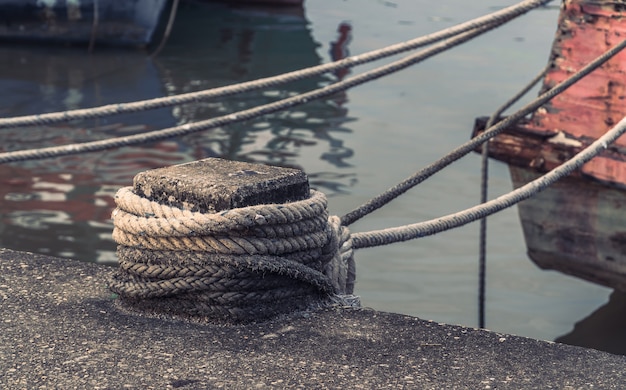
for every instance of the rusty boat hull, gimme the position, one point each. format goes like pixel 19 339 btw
pixel 578 225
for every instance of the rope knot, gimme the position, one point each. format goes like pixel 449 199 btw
pixel 341 269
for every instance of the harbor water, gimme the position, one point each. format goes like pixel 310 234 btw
pixel 353 146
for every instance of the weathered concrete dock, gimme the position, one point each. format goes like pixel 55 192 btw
pixel 61 328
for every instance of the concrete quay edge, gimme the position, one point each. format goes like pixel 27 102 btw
pixel 61 328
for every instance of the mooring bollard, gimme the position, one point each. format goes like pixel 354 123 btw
pixel 227 241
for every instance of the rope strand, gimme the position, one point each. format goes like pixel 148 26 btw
pixel 54 151
pixel 402 187
pixel 497 18
pixel 217 266
pixel 427 228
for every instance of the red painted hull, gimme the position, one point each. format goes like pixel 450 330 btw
pixel 577 226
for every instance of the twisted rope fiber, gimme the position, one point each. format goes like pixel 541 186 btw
pixel 249 113
pixel 211 301
pixel 238 116
pixel 495 18
pixel 216 265
pixel 135 217
pixel 402 187
pixel 422 229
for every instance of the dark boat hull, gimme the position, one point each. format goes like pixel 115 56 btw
pixel 110 22
pixel 576 227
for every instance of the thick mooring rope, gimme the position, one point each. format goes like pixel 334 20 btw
pixel 236 265
pixel 240 116
pixel 493 19
pixel 418 177
pixel 255 262
pixel 450 221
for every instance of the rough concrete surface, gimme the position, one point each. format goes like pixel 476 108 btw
pixel 214 184
pixel 61 329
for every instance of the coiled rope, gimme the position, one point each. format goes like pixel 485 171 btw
pixel 237 265
pixel 267 259
pixel 255 262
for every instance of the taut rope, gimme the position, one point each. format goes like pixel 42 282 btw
pixel 456 35
pixel 284 256
pixel 418 177
pixel 493 20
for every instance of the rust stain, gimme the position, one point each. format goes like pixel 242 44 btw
pixel 589 108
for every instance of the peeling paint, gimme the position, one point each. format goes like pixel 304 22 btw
pixel 563 139
pixel 589 108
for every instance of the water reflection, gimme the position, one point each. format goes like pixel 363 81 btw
pixel 245 44
pixel 604 329
pixel 62 206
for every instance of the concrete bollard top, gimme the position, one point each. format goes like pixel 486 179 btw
pixel 213 184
